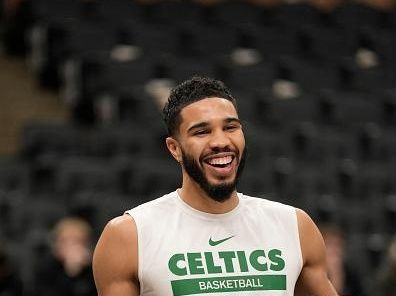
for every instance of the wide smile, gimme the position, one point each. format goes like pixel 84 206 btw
pixel 221 165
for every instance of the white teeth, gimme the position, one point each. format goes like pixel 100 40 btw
pixel 221 160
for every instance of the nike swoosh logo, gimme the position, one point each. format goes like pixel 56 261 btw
pixel 215 243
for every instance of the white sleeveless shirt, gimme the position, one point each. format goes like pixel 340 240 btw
pixel 252 250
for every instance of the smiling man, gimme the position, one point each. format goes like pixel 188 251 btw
pixel 206 238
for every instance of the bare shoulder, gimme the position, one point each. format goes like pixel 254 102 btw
pixel 119 233
pixel 313 278
pixel 123 226
pixel 311 240
pixel 115 261
pixel 304 220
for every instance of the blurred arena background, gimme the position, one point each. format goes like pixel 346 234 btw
pixel 82 84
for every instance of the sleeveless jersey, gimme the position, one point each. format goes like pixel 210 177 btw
pixel 252 250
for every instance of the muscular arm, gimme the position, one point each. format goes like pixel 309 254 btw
pixel 115 259
pixel 313 280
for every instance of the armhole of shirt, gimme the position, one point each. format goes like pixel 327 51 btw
pixel 300 255
pixel 139 249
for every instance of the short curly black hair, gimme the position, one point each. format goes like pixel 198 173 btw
pixel 190 91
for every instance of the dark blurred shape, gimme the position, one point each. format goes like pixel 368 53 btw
pixel 235 13
pixel 304 141
pixel 274 41
pixel 178 13
pixel 77 174
pixel 283 177
pixel 66 268
pixel 10 282
pixel 327 43
pixel 355 15
pixel 207 41
pixel 369 142
pixel 250 77
pixel 388 101
pixel 16 20
pixel 348 178
pixel 296 15
pixel 347 108
pixel 385 280
pixel 345 278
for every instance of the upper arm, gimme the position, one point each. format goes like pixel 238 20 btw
pixel 313 279
pixel 115 260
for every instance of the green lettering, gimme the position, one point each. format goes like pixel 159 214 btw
pixel 242 261
pixel 277 262
pixel 195 263
pixel 212 268
pixel 174 268
pixel 254 260
pixel 227 257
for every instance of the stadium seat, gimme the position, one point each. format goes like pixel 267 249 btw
pixel 182 68
pixel 384 42
pixel 235 14
pixel 273 42
pixel 55 41
pixel 369 142
pixel 14 176
pixel 250 77
pixel 260 142
pixel 309 74
pixel 40 139
pixel 152 38
pixel 327 43
pixel 48 9
pixel 283 177
pixel 256 179
pixel 374 76
pixel 387 100
pixel 347 174
pixel 175 13
pixel 207 41
pixel 116 11
pixel 303 138
pixel 295 15
pixel 116 141
pixel 77 174
pixel 355 15
pixel 347 108
pixel 156 177
pixel 285 112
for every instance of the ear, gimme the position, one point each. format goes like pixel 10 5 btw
pixel 174 148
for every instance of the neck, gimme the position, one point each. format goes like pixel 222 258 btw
pixel 192 194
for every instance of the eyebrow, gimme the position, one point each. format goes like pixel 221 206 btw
pixel 198 125
pixel 205 123
pixel 232 119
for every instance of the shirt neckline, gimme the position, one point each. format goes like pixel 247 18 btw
pixel 208 216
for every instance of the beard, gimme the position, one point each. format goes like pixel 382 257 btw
pixel 218 192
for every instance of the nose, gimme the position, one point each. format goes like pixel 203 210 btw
pixel 219 140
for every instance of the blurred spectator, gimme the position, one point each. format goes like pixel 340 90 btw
pixel 67 271
pixel 345 282
pixel 10 283
pixel 385 282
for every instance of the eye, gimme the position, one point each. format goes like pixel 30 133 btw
pixel 201 132
pixel 231 127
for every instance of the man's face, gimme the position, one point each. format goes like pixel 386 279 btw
pixel 213 146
